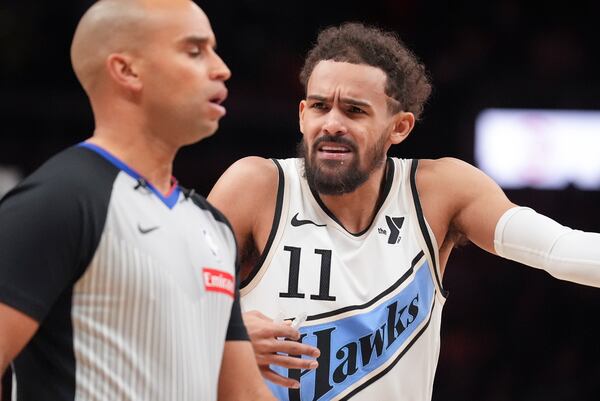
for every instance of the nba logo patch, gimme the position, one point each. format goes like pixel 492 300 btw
pixel 218 281
pixel 212 245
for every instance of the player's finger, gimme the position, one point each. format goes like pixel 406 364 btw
pixel 257 314
pixel 284 330
pixel 289 362
pixel 278 379
pixel 289 347
pixel 272 331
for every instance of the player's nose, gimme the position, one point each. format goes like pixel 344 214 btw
pixel 334 123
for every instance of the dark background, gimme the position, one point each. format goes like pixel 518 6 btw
pixel 509 332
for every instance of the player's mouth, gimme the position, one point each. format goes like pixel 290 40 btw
pixel 216 100
pixel 337 149
pixel 335 152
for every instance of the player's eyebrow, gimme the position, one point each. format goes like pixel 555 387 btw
pixel 355 102
pixel 345 100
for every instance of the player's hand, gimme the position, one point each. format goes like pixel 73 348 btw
pixel 266 336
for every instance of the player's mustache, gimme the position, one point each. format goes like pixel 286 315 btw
pixel 335 139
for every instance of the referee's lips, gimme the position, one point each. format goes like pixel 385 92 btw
pixel 215 103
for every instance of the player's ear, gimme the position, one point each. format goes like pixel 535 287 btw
pixel 403 125
pixel 123 70
pixel 301 109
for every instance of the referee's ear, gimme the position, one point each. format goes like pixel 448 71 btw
pixel 122 70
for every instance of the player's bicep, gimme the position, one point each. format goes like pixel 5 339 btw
pixel 481 203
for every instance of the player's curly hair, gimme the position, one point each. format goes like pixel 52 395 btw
pixel 355 43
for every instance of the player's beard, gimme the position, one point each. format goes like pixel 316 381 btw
pixel 336 177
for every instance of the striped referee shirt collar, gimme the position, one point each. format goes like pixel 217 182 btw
pixel 170 199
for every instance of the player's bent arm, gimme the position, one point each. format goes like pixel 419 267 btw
pixel 239 379
pixel 16 329
pixel 246 194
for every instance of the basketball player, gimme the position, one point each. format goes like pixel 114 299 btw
pixel 358 241
pixel 115 283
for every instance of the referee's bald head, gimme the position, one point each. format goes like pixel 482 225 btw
pixel 115 26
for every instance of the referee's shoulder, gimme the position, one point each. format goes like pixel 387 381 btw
pixel 201 202
pixel 72 173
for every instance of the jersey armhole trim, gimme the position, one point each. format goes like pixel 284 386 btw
pixel 274 226
pixel 423 225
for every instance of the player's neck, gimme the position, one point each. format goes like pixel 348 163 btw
pixel 150 157
pixel 355 210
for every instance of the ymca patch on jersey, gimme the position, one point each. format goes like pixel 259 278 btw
pixel 218 281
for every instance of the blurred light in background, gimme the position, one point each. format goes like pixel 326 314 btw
pixel 9 177
pixel 542 149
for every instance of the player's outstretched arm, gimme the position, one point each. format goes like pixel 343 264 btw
pixel 16 329
pixel 239 379
pixel 486 216
pixel 271 344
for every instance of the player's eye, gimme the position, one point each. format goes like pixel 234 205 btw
pixel 318 106
pixel 355 110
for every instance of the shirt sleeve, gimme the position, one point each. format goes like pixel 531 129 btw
pixel 236 331
pixel 49 230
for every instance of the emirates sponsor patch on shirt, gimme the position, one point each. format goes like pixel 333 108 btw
pixel 218 281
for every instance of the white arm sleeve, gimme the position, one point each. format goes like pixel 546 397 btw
pixel 538 241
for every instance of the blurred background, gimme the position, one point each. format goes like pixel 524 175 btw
pixel 509 332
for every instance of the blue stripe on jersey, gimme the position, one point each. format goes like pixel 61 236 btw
pixel 351 348
pixel 170 200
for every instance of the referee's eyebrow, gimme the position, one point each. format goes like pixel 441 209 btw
pixel 200 41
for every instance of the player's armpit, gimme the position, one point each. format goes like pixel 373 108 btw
pixel 16 329
pixel 239 379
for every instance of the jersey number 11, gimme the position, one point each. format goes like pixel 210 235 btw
pixel 292 291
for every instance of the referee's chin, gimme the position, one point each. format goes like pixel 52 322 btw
pixel 207 130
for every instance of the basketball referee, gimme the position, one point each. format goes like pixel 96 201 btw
pixel 115 282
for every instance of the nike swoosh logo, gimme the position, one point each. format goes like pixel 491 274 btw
pixel 147 230
pixel 297 223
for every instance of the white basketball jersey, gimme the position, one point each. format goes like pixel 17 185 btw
pixel 373 299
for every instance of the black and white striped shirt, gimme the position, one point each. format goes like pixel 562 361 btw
pixel 135 292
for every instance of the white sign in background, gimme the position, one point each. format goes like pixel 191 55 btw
pixel 544 149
